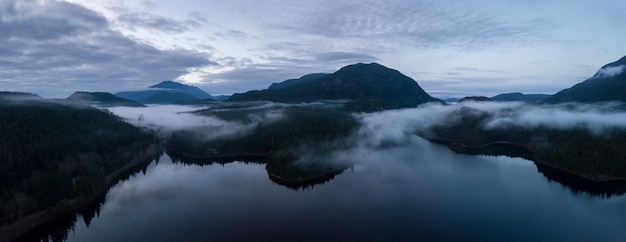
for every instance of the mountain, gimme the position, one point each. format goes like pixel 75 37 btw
pixel 102 99
pixel 187 89
pixel 166 92
pixel 517 96
pixel 608 84
pixel 371 87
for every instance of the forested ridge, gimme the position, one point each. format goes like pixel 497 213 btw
pixel 52 153
pixel 598 156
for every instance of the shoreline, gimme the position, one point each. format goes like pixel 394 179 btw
pixel 65 207
pixel 459 146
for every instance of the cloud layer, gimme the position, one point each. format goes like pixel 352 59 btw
pixel 57 47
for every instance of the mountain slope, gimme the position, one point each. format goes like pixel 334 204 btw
pixel 371 87
pixel 102 99
pixel 608 84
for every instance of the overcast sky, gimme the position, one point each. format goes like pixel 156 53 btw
pixel 451 48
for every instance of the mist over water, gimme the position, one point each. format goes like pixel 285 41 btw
pixel 400 188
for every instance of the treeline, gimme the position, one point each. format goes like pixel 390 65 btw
pixel 576 150
pixel 302 129
pixel 50 153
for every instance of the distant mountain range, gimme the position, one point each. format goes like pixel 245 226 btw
pixel 168 92
pixel 371 87
pixel 517 96
pixel 102 99
pixel 608 84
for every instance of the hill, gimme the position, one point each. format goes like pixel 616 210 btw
pixel 608 84
pixel 517 96
pixel 101 99
pixel 371 87
pixel 167 92
pixel 475 99
pixel 18 96
pixel 187 89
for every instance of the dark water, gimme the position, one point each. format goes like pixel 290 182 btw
pixel 419 191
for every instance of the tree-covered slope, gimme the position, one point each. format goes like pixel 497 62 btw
pixel 51 152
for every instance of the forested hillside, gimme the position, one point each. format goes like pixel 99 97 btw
pixel 52 153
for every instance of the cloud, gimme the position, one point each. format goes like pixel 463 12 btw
pixel 396 127
pixel 345 57
pixel 166 119
pixel 54 48
pixel 610 71
pixel 154 22
pixel 599 119
pixel 425 24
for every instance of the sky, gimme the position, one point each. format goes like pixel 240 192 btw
pixel 452 48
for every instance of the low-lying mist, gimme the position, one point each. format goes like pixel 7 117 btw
pixel 166 119
pixel 210 121
pixel 396 126
pixel 378 130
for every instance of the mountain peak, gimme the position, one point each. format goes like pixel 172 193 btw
pixel 167 92
pixel 371 86
pixel 365 66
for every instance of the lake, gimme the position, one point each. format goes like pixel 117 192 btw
pixel 413 191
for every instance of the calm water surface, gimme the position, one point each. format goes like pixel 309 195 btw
pixel 417 191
